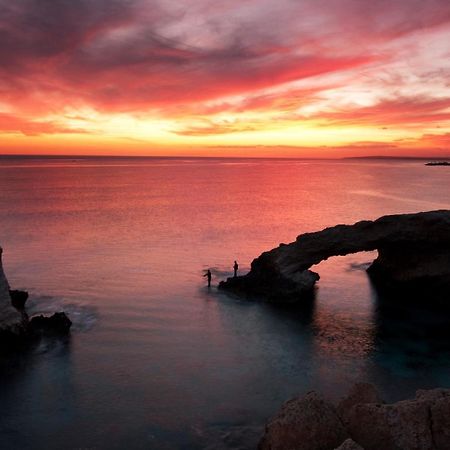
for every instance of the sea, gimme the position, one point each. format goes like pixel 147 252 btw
pixel 155 358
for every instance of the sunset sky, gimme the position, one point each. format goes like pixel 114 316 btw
pixel 237 77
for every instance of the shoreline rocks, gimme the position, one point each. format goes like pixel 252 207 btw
pixel 413 256
pixel 17 330
pixel 302 420
pixel 18 298
pixel 361 421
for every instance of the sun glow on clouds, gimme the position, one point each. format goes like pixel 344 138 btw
pixel 307 78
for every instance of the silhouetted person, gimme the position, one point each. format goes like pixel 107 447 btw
pixel 208 275
pixel 235 267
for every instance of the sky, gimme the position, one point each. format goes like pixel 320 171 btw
pixel 314 78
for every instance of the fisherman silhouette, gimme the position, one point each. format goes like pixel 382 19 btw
pixel 208 275
pixel 235 267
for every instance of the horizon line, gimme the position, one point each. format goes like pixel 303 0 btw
pixel 55 156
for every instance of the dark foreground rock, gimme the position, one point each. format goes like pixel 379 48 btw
pixel 349 444
pixel 360 393
pixel 419 424
pixel 16 329
pixel 413 254
pixel 304 423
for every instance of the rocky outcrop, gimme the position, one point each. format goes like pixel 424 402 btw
pixel 304 423
pixel 16 328
pixel 360 393
pixel 419 424
pixel 349 444
pixel 18 298
pixel 413 253
pixel 56 325
pixel 403 425
pixel 10 318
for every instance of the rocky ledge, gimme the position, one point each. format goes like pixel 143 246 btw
pixel 361 421
pixel 16 327
pixel 413 254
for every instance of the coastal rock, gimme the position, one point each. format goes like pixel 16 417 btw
pixel 358 394
pixel 304 423
pixel 309 422
pixel 440 421
pixel 413 253
pixel 57 324
pixel 403 425
pixel 438 402
pixel 349 444
pixel 10 319
pixel 432 395
pixel 18 298
pixel 16 330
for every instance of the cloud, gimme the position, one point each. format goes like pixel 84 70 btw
pixel 412 111
pixel 198 58
pixel 13 124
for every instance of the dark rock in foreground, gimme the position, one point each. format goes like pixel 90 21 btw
pixel 419 424
pixel 349 444
pixel 358 394
pixel 307 422
pixel 413 254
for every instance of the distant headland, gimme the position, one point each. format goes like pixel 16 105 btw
pixel 438 163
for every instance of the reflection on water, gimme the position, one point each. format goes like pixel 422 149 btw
pixel 157 360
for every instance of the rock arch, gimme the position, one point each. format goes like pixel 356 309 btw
pixel 413 252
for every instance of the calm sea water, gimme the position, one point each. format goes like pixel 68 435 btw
pixel 155 359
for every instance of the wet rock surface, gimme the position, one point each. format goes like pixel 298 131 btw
pixel 413 254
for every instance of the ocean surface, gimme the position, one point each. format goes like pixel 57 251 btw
pixel 156 360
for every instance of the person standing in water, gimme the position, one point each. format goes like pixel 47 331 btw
pixel 208 275
pixel 235 267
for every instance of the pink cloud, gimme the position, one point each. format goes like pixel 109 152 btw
pixel 142 55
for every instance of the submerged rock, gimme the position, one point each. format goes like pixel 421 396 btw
pixel 304 423
pixel 413 253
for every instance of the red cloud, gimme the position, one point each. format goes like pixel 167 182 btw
pixel 141 55
pixel 414 111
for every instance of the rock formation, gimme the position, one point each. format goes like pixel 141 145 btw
pixel 349 444
pixel 305 423
pixel 10 318
pixel 413 253
pixel 16 329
